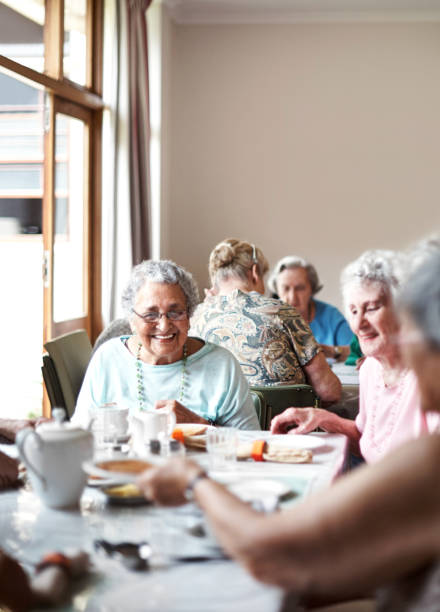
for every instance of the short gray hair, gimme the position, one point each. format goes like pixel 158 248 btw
pixel 422 250
pixel 292 262
pixel 160 271
pixel 385 268
pixel 420 298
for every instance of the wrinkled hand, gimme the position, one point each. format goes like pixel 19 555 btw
pixel 183 415
pixel 8 471
pixel 166 484
pixel 302 419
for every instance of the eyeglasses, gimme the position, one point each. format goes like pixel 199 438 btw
pixel 254 254
pixel 154 317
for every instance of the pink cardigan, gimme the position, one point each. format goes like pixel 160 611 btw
pixel 389 416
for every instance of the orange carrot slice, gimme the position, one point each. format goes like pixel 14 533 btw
pixel 257 450
pixel 178 435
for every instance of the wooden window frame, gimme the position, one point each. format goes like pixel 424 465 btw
pixel 61 92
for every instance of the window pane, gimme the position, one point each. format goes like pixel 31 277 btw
pixel 75 48
pixel 21 254
pixel 21 32
pixel 21 156
pixel 69 298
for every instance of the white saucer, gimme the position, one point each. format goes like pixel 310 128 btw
pixel 258 489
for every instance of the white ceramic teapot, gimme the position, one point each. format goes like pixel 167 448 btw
pixel 54 454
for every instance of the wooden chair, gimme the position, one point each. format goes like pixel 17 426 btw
pixel 278 398
pixel 64 367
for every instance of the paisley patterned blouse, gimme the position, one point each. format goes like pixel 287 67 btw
pixel 269 338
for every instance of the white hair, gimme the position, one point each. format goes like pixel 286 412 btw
pixel 291 262
pixel 160 271
pixel 388 269
pixel 423 250
pixel 420 297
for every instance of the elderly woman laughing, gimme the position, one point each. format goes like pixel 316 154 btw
pixel 159 365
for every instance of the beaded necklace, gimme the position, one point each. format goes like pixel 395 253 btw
pixel 140 376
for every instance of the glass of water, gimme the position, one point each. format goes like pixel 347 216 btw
pixel 221 444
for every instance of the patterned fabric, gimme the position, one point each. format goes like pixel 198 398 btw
pixel 269 338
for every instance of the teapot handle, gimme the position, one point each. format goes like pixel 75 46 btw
pixel 20 440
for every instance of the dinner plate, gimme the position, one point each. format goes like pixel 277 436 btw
pixel 258 489
pixel 102 482
pixel 286 440
pixel 122 471
pixel 115 495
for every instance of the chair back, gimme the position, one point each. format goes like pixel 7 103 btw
pixel 260 407
pixel 278 398
pixel 64 367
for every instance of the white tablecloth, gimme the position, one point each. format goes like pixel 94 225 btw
pixel 28 530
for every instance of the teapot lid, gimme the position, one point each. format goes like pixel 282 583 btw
pixel 59 428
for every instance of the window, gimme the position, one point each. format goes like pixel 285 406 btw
pixel 50 186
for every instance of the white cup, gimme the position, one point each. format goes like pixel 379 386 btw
pixel 151 425
pixel 109 424
pixel 221 444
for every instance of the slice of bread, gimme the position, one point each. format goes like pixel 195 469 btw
pixel 192 429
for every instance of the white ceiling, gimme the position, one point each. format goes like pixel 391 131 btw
pixel 301 11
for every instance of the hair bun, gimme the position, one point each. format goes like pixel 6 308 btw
pixel 223 255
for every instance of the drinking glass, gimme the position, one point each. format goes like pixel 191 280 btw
pixel 221 444
pixel 109 425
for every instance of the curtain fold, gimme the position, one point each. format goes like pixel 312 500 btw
pixel 126 222
pixel 139 129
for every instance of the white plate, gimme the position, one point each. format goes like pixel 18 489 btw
pixel 286 440
pixel 253 489
pixel 92 469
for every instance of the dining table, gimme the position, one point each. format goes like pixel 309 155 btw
pixel 187 570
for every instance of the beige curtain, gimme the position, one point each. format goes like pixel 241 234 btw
pixel 139 128
pixel 126 167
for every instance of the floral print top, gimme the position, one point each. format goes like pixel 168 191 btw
pixel 269 338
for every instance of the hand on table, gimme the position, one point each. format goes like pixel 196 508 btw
pixel 166 484
pixel 303 420
pixel 183 415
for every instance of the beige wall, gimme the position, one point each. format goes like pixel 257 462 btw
pixel 314 139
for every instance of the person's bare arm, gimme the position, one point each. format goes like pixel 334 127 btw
pixel 10 427
pixel 372 526
pixel 325 382
pixel 303 420
pixel 8 471
pixel 339 352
